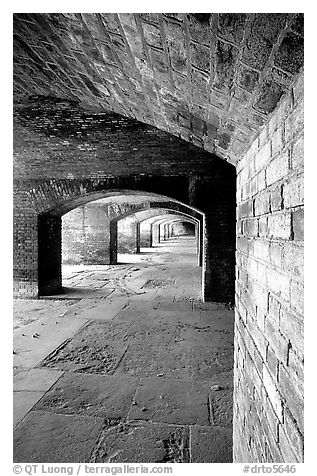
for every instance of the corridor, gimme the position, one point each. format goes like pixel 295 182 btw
pixel 127 365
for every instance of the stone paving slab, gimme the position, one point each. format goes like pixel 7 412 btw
pixel 101 309
pixel 205 362
pixel 149 360
pixel 44 437
pixel 170 401
pixel 130 314
pixel 36 380
pixel 82 354
pixel 23 402
pixel 48 334
pixel 176 346
pixel 207 335
pixel 26 311
pixel 210 445
pixel 142 442
pixel 189 317
pixel 132 332
pixel 221 407
pixel 107 310
pixel 90 395
pixel 175 307
pixel 80 292
pixel 224 318
pixel 223 379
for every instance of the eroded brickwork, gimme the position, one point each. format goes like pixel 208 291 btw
pixel 268 407
pixel 128 235
pixel 86 236
pixel 210 78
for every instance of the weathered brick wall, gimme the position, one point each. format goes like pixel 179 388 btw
pixel 145 234
pixel 50 135
pixel 86 235
pixel 128 235
pixel 182 229
pixel 268 396
pixel 25 245
pixel 210 78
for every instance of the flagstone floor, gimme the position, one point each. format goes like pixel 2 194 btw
pixel 127 365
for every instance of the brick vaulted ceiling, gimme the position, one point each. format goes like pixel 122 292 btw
pixel 211 79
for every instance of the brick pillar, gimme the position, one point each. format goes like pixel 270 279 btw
pixel 113 242
pixel 216 197
pixel 155 230
pixel 129 235
pixel 199 243
pixel 49 254
pixel 165 231
pixel 161 232
pixel 86 235
pixel 145 234
pixel 25 251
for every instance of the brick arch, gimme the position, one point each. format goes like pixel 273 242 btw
pixel 154 238
pixel 199 234
pixel 149 236
pixel 57 203
pixel 58 197
pixel 169 206
pixel 43 203
pixel 171 221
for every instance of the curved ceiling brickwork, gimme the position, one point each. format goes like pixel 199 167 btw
pixel 211 79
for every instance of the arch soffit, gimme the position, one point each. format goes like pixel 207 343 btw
pixel 53 201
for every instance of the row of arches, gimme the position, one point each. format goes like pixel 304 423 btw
pixel 145 216
pixel 206 201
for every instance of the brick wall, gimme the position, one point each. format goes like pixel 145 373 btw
pixel 25 245
pixel 145 234
pixel 268 396
pixel 178 229
pixel 86 236
pixel 97 145
pixel 64 155
pixel 128 235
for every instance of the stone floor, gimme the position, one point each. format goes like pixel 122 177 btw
pixel 128 365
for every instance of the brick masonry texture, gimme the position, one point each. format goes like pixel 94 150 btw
pixel 173 72
pixel 268 397
pixel 86 236
pixel 206 109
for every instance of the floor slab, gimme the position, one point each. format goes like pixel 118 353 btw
pixel 123 377
pixel 90 395
pixel 170 401
pixel 210 445
pixel 142 442
pixel 36 380
pixel 35 341
pixel 82 354
pixel 44 437
pixel 23 402
pixel 149 360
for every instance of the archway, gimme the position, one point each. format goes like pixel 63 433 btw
pixel 50 200
pixel 50 239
